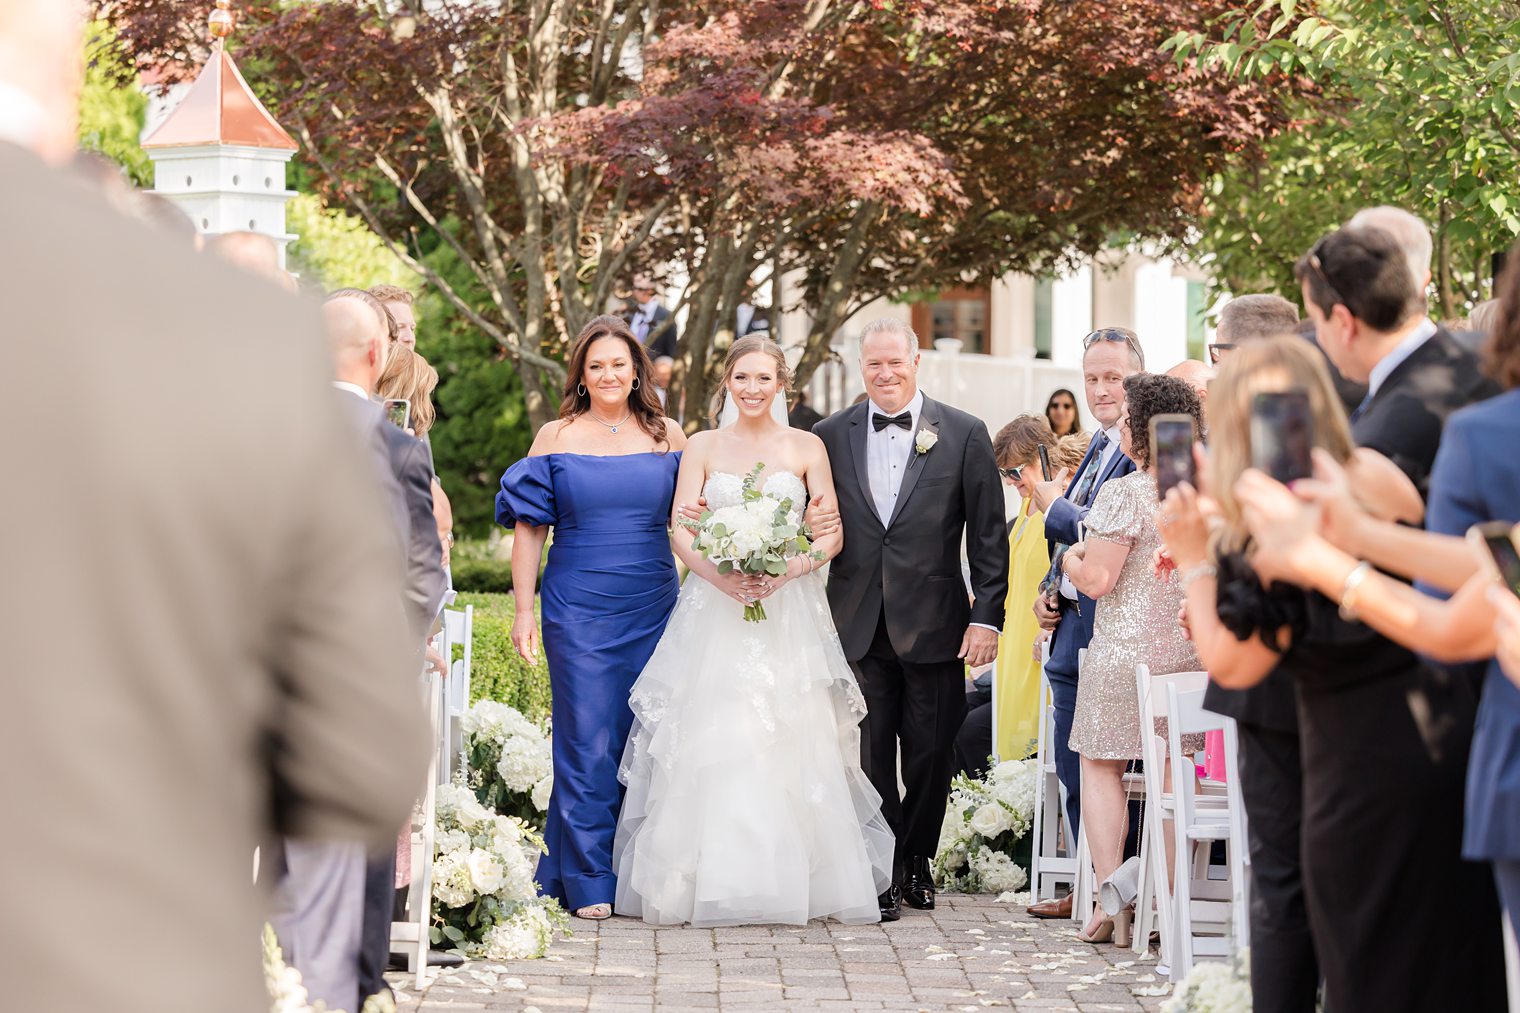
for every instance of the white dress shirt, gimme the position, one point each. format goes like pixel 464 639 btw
pixel 352 388
pixel 887 455
pixel 1068 589
pixel 1423 332
pixel 22 119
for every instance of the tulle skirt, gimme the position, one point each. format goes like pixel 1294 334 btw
pixel 746 802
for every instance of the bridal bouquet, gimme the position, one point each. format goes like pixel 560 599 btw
pixel 755 536
pixel 986 826
pixel 484 900
pixel 510 766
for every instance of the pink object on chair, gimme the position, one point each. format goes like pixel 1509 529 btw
pixel 1213 755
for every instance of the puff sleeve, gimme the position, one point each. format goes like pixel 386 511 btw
pixel 527 494
pixel 1117 514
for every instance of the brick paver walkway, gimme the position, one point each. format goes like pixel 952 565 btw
pixel 971 954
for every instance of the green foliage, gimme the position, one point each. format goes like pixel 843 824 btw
pixel 335 249
pixel 483 422
pixel 111 113
pixel 1416 105
pixel 496 670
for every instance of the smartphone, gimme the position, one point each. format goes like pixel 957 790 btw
pixel 1172 438
pixel 1498 537
pixel 1282 435
pixel 398 411
pixel 1044 453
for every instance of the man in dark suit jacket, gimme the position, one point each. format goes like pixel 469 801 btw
pixel 912 476
pixel 650 321
pixel 1109 355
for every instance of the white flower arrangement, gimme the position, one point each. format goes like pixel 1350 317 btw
pixel 484 899
pixel 287 991
pixel 1213 987
pixel 984 821
pixel 755 536
pixel 925 440
pixel 510 764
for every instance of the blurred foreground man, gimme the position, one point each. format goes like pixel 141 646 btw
pixel 205 644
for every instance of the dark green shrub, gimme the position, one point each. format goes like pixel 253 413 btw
pixel 496 670
pixel 481 576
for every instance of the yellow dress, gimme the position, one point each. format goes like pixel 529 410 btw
pixel 1016 690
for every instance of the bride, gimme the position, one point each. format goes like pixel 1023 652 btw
pixel 746 803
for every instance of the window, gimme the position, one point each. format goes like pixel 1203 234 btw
pixel 1196 309
pixel 1044 289
pixel 960 313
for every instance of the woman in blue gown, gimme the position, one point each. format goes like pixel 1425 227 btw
pixel 602 476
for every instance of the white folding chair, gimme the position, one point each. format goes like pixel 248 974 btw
pixel 1153 902
pixel 1053 858
pixel 1239 849
pixel 411 936
pixel 1198 903
pixel 458 628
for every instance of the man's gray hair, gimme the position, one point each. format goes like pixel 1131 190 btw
pixel 888 325
pixel 1410 233
pixel 1252 317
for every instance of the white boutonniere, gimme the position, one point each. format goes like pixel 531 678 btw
pixel 925 440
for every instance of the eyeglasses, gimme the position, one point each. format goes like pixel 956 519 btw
pixel 1123 334
pixel 1012 474
pixel 1217 350
pixel 1319 268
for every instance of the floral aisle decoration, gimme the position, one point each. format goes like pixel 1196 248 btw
pixel 287 992
pixel 484 901
pixel 755 536
pixel 1214 987
pixel 509 763
pixel 986 821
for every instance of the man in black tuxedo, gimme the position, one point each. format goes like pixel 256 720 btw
pixel 912 475
pixel 650 321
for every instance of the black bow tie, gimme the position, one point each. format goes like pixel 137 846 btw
pixel 905 420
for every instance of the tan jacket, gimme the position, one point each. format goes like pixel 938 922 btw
pixel 201 624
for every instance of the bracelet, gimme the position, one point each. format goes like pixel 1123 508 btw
pixel 1197 573
pixel 1350 588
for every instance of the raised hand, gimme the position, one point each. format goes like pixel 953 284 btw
pixel 1282 526
pixel 1183 528
pixel 1046 493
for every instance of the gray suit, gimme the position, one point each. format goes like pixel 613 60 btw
pixel 203 637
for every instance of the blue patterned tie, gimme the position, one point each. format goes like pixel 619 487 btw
pixel 1080 494
pixel 1361 409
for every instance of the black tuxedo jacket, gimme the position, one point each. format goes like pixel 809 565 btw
pixel 911 566
pixel 1405 419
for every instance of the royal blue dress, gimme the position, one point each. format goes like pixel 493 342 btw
pixel 608 590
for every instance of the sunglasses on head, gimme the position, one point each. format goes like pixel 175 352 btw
pixel 1129 337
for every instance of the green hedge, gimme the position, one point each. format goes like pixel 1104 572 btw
pixel 496 670
pixel 481 576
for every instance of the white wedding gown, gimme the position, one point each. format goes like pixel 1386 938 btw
pixel 746 802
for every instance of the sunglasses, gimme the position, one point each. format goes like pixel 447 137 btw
pixel 1012 474
pixel 1216 351
pixel 1129 337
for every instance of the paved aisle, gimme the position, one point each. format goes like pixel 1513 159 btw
pixel 969 955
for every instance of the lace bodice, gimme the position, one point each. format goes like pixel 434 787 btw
pixel 724 489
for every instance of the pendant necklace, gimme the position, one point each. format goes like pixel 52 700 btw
pixel 611 425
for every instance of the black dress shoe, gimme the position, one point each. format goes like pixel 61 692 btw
pixel 891 904
pixel 918 892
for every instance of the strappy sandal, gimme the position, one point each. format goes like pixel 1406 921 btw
pixel 594 912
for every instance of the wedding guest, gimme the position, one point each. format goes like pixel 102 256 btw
pixel 664 369
pixel 1197 376
pixel 1250 318
pixel 1136 623
pixel 651 322
pixel 1376 726
pixel 603 476
pixel 398 303
pixel 1108 357
pixel 803 415
pixel 234 647
pixel 409 377
pixel 1061 413
pixel 1016 672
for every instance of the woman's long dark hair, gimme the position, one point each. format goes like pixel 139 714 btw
pixel 1076 411
pixel 643 403
pixel 1502 351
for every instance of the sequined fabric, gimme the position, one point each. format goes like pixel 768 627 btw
pixel 1136 624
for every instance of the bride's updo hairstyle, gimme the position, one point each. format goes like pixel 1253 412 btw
pixel 738 350
pixel 643 402
pixel 1269 366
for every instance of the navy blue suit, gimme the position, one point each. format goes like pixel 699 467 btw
pixel 1476 478
pixel 1073 632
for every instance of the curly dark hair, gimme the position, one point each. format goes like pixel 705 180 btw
pixel 1502 353
pixel 1150 394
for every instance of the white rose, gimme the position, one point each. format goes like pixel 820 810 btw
pixel 990 820
pixel 451 881
pixel 525 936
pixel 925 440
pixel 541 792
pixel 486 873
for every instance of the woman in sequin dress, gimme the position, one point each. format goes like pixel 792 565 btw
pixel 1136 623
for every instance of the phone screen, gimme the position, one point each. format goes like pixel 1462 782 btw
pixel 1172 450
pixel 1282 435
pixel 398 411
pixel 1044 461
pixel 1506 557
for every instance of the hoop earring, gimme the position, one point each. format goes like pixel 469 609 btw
pixel 580 390
pixel 635 383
